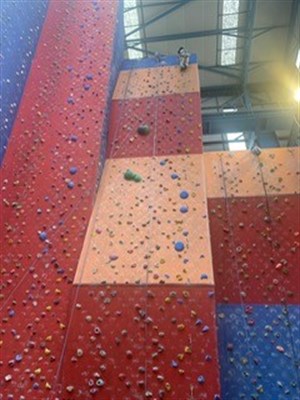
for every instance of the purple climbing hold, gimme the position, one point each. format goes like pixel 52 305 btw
pixel 89 77
pixel 198 322
pixel 205 329
pixel 174 364
pixel 203 276
pixel 201 379
pixel 18 357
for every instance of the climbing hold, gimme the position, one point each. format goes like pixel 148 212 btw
pixel 184 194
pixel 79 353
pixel 73 138
pixel 143 130
pixel 131 176
pixel 184 209
pixel 73 170
pixel 42 235
pixel 100 382
pixel 8 378
pixel 70 184
pixel 201 379
pixel 174 176
pixel 179 246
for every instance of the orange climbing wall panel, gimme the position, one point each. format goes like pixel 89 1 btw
pixel 159 81
pixel 135 225
pixel 143 342
pixel 174 121
pixel 276 171
pixel 48 183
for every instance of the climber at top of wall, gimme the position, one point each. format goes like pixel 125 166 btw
pixel 184 58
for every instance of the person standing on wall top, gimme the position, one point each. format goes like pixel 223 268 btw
pixel 184 58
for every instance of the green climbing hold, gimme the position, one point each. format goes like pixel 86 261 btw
pixel 131 176
pixel 143 130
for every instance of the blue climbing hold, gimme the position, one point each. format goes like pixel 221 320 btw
pixel 73 170
pixel 43 236
pixel 174 364
pixel 203 276
pixel 89 77
pixel 184 194
pixel 70 100
pixel 201 379
pixel 179 246
pixel 71 184
pixel 184 209
pixel 174 176
pixel 73 138
pixel 163 162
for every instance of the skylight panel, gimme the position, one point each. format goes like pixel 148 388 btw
pixel 298 60
pixel 131 21
pixel 230 20
pixel 236 141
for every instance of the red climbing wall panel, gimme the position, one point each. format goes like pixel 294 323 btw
pixel 254 223
pixel 255 256
pixel 142 342
pixel 49 181
pixel 171 119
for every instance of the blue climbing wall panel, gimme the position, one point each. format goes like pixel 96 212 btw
pixel 257 346
pixel 21 22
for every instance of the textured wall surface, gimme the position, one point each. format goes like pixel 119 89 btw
pixel 254 214
pixel 113 285
pixel 21 22
pixel 49 179
pixel 145 277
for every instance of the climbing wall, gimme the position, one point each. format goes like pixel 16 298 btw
pixel 254 220
pixel 143 323
pixel 49 176
pixel 20 25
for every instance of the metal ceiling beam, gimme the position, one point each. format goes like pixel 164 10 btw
pixel 236 32
pixel 237 89
pixel 295 11
pixel 248 41
pixel 160 16
pixel 267 120
pixel 155 4
pixel 219 69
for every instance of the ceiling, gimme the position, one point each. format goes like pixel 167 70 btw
pixel 266 36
